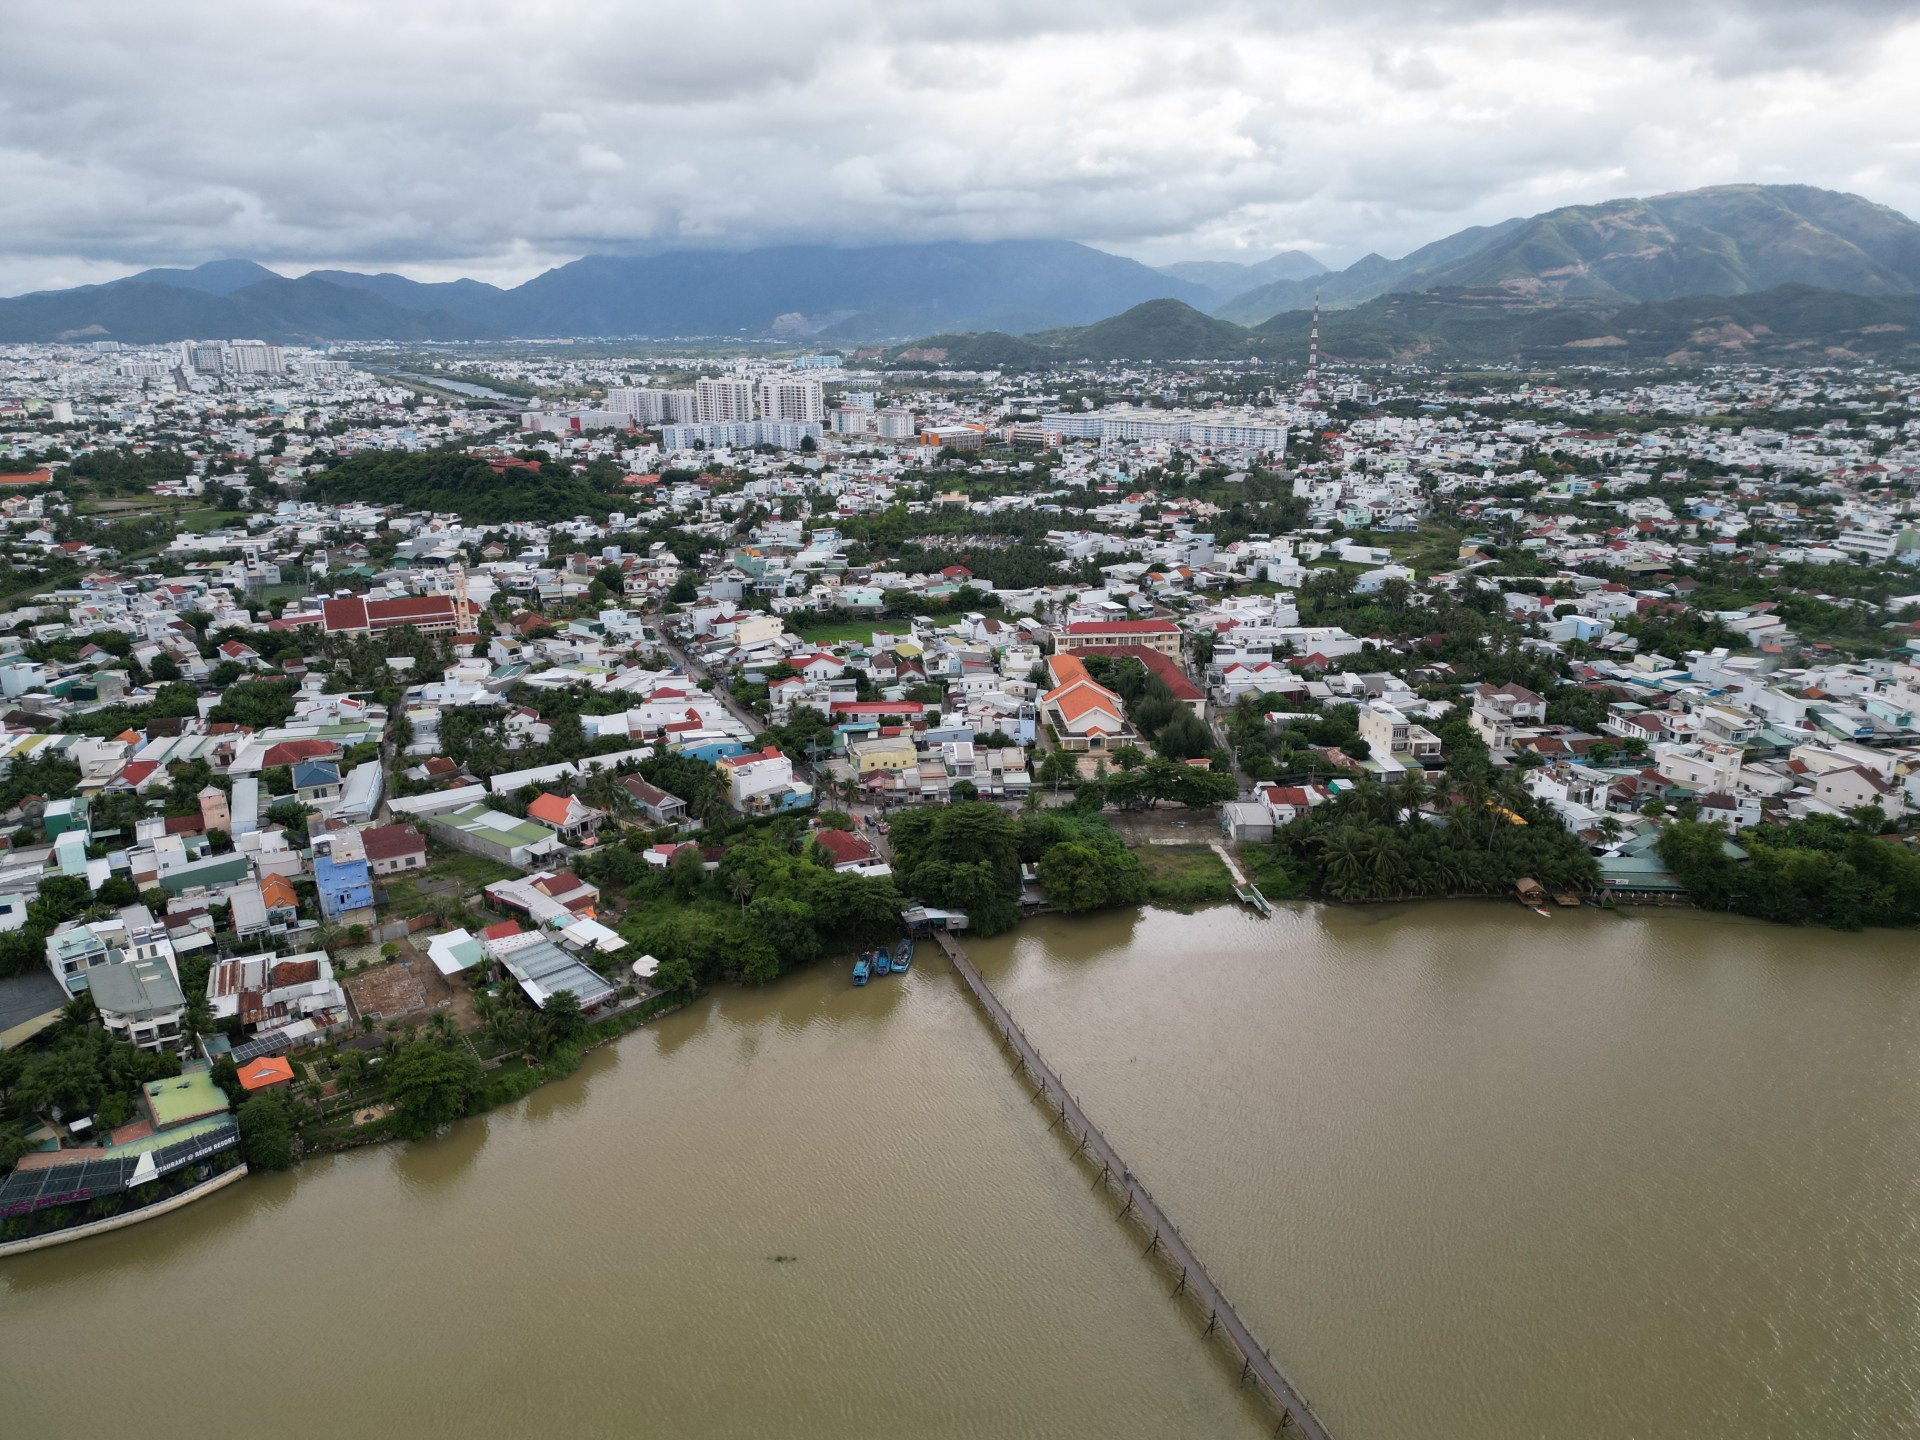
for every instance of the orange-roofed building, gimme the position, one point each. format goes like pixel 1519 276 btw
pixel 1085 715
pixel 566 816
pixel 265 1073
pixel 277 892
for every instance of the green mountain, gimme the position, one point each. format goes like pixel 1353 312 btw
pixel 1224 279
pixel 1159 330
pixel 1162 330
pixel 303 311
pixel 823 293
pixel 1483 325
pixel 1725 240
pixel 989 350
pixel 1492 325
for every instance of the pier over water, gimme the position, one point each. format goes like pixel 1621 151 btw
pixel 1255 1362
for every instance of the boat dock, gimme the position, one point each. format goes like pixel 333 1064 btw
pixel 1255 1362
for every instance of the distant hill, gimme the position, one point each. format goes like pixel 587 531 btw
pixel 1224 279
pixel 216 277
pixel 1725 240
pixel 473 301
pixel 990 350
pixel 1161 330
pixel 1485 326
pixel 1491 325
pixel 302 311
pixel 831 293
pixel 1158 330
pixel 837 292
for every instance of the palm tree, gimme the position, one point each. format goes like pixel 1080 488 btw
pixel 1344 863
pixel 1388 866
pixel 1414 795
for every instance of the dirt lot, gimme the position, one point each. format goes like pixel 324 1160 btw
pixel 1168 823
pixel 408 987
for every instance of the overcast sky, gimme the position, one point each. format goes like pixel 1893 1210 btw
pixel 494 139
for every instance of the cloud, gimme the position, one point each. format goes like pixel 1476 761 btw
pixel 495 137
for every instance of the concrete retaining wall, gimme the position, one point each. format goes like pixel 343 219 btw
pixel 120 1222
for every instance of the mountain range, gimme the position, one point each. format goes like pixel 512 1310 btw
pixel 1725 240
pixel 1486 325
pixel 802 292
pixel 1729 240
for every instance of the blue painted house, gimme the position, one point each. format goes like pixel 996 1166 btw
pixel 316 780
pixel 343 884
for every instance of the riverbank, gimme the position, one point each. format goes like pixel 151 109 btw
pixel 506 1082
pixel 1372 1121
pixel 153 1209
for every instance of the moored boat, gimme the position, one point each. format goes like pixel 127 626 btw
pixel 860 970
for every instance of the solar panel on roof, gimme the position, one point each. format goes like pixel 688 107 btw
pixel 271 1043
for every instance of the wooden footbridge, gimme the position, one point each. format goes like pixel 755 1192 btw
pixel 1167 1241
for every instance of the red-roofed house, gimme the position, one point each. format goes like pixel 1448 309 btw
pixel 1161 635
pixel 844 849
pixel 293 752
pixel 357 615
pixel 392 848
pixel 1171 675
pixel 1084 715
pixel 566 816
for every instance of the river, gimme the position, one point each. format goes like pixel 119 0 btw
pixel 465 387
pixel 1467 1171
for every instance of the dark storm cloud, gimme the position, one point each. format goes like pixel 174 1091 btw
pixel 496 138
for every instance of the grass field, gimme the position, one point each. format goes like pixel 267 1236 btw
pixel 1184 874
pixel 839 632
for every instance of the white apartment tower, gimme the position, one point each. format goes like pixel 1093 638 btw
pixel 893 424
pixel 654 407
pixel 721 401
pixel 792 398
pixel 252 358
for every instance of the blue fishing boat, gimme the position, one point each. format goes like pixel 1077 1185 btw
pixel 903 956
pixel 882 964
pixel 860 971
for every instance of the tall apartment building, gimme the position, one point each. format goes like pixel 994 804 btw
pixel 792 398
pixel 654 407
pixel 202 359
pixel 251 358
pixel 723 401
pixel 893 424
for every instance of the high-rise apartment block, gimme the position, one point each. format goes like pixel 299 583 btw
pixel 251 358
pixel 792 398
pixel 893 424
pixel 723 401
pixel 655 407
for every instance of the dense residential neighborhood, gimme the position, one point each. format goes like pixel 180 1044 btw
pixel 370 746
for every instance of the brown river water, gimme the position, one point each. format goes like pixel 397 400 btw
pixel 1468 1173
